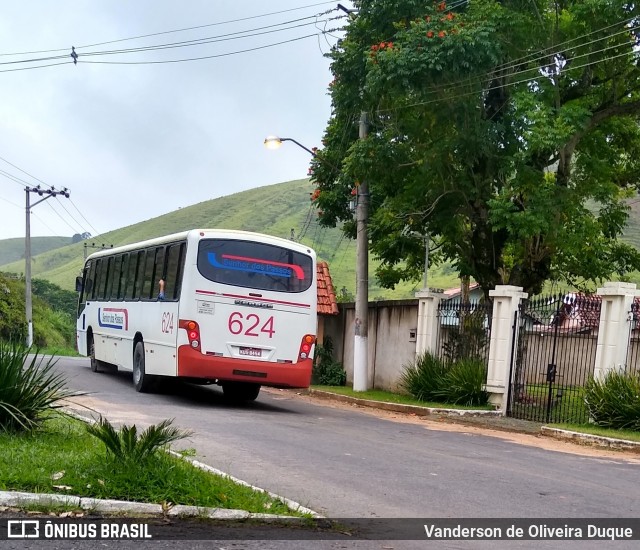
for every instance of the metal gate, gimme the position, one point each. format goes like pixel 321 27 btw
pixel 554 355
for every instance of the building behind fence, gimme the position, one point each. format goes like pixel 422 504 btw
pixel 539 352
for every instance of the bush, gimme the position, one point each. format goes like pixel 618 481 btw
pixel 127 447
pixel 327 371
pixel 29 388
pixel 615 401
pixel 431 379
pixel 463 383
pixel 424 377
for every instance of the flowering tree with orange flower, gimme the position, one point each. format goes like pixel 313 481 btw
pixel 507 130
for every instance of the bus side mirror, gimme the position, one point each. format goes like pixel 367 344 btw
pixel 78 284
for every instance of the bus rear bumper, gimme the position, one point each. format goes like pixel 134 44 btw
pixel 193 364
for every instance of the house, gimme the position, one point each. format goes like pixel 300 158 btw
pixel 327 302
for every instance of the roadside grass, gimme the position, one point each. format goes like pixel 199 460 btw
pixel 63 458
pixel 629 435
pixel 390 397
pixel 59 351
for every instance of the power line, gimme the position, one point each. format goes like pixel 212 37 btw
pixel 74 229
pixel 170 31
pixel 96 232
pixel 23 171
pixel 202 57
pixel 259 31
pixel 71 216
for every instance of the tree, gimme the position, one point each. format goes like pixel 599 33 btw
pixel 506 130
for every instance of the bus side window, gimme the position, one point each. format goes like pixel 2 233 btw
pixel 124 271
pixel 173 262
pixel 114 277
pixel 109 277
pixel 101 275
pixel 159 271
pixel 131 277
pixel 183 253
pixel 148 285
pixel 139 276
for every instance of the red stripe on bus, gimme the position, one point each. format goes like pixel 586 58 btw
pixel 251 298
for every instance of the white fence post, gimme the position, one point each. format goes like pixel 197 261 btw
pixel 428 324
pixel 506 300
pixel 613 332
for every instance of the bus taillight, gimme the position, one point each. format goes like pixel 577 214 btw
pixel 193 332
pixel 305 347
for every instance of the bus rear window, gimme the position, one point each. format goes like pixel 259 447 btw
pixel 254 265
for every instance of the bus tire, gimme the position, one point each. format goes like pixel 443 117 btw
pixel 96 366
pixel 141 380
pixel 240 391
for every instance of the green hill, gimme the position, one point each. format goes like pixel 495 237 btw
pixel 12 250
pixel 274 210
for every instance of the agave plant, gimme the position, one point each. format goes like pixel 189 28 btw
pixel 29 387
pixel 126 445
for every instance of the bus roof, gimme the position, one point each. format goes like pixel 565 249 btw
pixel 205 233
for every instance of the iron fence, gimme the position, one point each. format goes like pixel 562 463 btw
pixel 633 348
pixel 555 354
pixel 464 331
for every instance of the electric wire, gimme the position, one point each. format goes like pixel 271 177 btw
pixel 161 62
pixel 171 31
pixel 214 39
pixel 74 229
pixel 96 232
pixel 84 230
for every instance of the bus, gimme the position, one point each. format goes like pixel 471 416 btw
pixel 208 306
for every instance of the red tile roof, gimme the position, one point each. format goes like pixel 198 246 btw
pixel 327 303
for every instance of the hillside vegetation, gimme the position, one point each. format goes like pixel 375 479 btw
pixel 274 210
pixel 12 250
pixel 53 314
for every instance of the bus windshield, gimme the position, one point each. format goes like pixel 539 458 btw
pixel 254 265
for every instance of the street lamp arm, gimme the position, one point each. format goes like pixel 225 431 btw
pixel 310 151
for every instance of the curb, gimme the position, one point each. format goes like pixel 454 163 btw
pixel 577 437
pixel 398 407
pixel 17 499
pixel 590 439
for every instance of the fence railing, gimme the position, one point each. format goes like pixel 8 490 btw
pixel 464 330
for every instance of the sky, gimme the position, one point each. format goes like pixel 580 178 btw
pixel 135 141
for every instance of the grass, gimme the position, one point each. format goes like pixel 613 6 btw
pixel 597 430
pixel 62 457
pixel 390 397
pixel 59 352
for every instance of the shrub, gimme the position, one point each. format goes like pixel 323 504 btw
pixel 424 377
pixel 29 387
pixel 326 370
pixel 463 383
pixel 615 401
pixel 126 446
pixel 429 378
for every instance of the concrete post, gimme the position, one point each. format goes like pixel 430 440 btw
pixel 506 300
pixel 428 325
pixel 613 333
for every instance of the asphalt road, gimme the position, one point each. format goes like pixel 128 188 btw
pixel 344 463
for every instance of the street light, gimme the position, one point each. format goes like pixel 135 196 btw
pixel 361 324
pixel 275 142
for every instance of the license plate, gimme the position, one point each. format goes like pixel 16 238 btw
pixel 252 352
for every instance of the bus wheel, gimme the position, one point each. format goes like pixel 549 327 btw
pixel 95 364
pixel 240 391
pixel 141 380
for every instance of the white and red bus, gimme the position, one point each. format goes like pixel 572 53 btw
pixel 232 308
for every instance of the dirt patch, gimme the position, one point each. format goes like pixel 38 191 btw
pixel 508 429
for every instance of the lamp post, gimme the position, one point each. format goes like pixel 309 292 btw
pixel 361 325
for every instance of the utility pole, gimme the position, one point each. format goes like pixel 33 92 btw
pixel 361 341
pixel 45 194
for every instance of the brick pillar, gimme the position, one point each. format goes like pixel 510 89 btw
pixel 506 300
pixel 613 332
pixel 428 324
